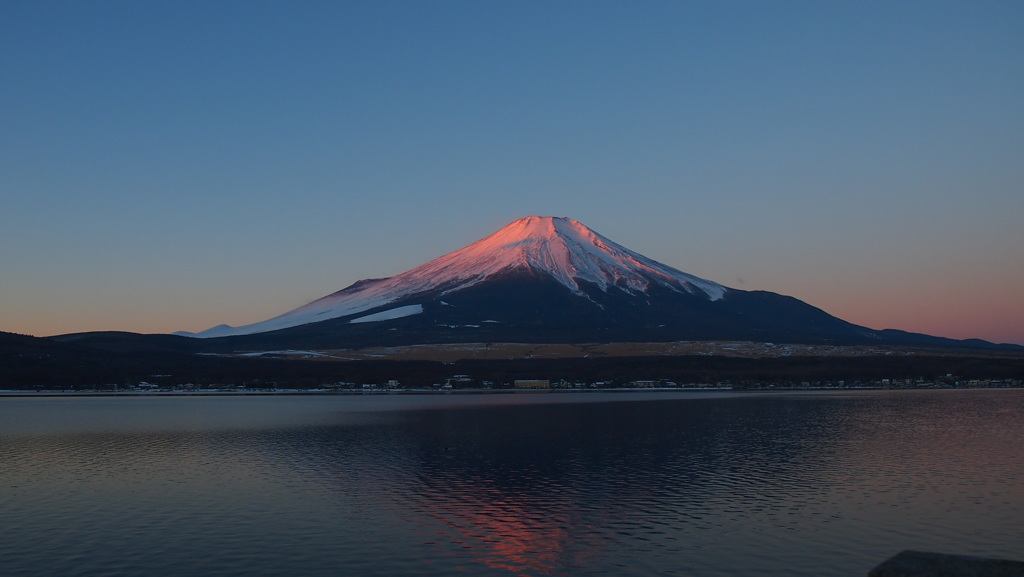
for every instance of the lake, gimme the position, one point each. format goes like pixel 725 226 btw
pixel 638 483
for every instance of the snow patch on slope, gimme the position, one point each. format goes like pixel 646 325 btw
pixel 395 313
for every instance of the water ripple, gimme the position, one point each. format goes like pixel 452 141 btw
pixel 615 485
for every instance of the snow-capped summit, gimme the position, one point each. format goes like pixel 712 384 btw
pixel 565 250
pixel 557 248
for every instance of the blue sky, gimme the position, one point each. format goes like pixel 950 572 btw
pixel 177 165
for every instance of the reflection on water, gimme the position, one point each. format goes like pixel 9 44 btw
pixel 602 484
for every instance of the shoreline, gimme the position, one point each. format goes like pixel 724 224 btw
pixel 402 392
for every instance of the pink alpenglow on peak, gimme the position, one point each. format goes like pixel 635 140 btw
pixel 560 248
pixel 568 251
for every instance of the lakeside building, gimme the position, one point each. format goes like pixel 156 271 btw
pixel 532 384
pixel 645 384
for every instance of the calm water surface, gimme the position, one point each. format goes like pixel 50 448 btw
pixel 519 484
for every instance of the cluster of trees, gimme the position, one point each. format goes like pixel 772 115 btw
pixel 43 368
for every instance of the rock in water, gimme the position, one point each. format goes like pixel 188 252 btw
pixel 921 564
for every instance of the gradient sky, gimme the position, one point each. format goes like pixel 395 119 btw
pixel 176 165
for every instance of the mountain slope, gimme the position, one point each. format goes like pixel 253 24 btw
pixel 560 248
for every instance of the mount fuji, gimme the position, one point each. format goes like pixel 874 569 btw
pixel 545 279
pixel 556 249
